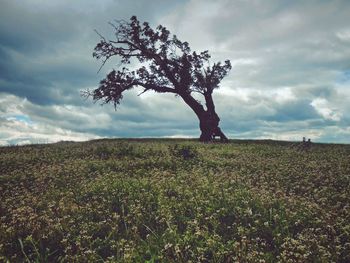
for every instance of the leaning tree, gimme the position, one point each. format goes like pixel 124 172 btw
pixel 166 65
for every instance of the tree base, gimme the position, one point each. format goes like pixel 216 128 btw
pixel 210 135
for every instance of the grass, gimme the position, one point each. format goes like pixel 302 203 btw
pixel 174 201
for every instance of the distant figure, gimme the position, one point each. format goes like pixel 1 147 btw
pixel 305 145
pixel 308 144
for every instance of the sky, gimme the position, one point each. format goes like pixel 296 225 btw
pixel 290 77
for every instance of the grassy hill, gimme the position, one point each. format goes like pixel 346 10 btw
pixel 174 201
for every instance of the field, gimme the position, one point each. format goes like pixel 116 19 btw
pixel 174 201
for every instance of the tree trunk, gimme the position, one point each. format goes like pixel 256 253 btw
pixel 209 126
pixel 208 119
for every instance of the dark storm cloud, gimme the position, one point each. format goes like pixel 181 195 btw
pixel 31 44
pixel 47 46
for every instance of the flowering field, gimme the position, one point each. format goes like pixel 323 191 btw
pixel 174 201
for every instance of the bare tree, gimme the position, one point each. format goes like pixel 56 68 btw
pixel 166 65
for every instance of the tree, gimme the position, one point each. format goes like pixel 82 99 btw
pixel 167 65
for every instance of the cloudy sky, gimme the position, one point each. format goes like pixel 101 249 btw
pixel 290 76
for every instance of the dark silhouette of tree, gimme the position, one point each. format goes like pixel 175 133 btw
pixel 167 65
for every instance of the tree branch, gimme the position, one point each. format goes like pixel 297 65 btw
pixel 150 86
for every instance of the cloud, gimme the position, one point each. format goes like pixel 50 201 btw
pixel 290 76
pixel 17 132
pixel 19 126
pixel 323 108
pixel 137 117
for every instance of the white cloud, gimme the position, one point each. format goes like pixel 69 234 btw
pixel 323 107
pixel 344 34
pixel 18 128
pixel 283 95
pixel 313 134
pixel 18 132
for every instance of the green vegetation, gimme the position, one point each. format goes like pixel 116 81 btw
pixel 174 201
